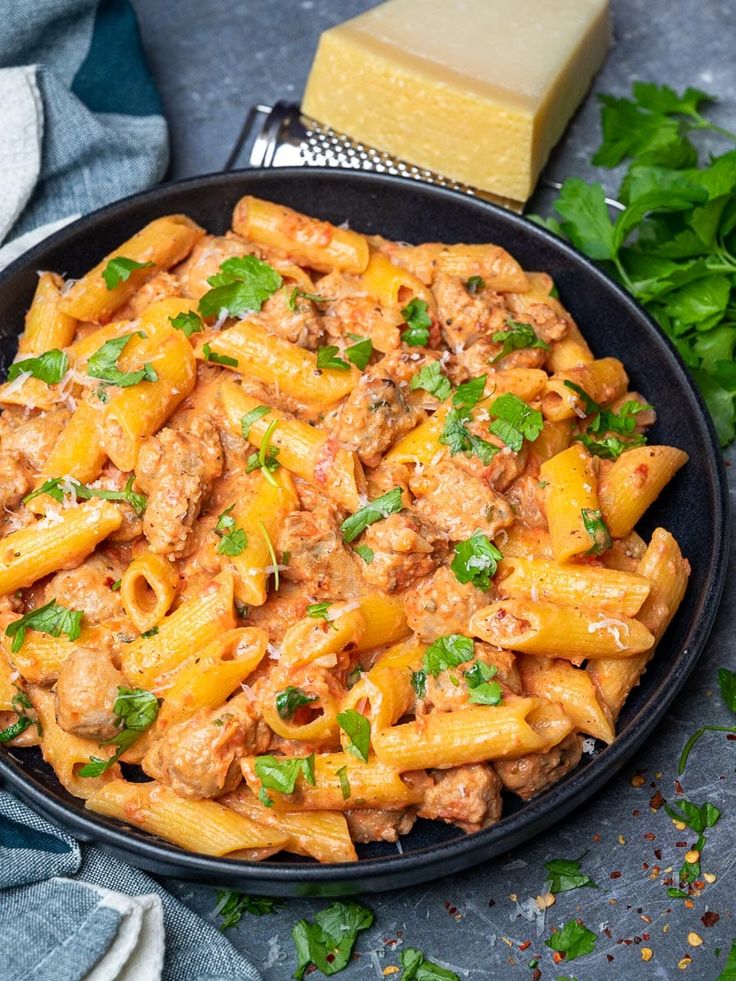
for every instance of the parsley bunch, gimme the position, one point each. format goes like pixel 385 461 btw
pixel 673 246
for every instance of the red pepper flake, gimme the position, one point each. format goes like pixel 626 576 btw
pixel 731 738
pixel 609 957
pixel 526 945
pixel 709 918
pixel 678 788
pixel 491 902
pixel 596 837
pixel 557 957
pixel 645 865
pixel 656 801
pixel 452 910
pixel 658 854
pixel 645 936
pixel 615 875
pixel 330 958
pixel 680 844
pixel 536 974
pixel 636 812
pixel 608 933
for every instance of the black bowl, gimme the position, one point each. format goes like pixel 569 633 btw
pixel 694 507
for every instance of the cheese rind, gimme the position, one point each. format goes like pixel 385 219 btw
pixel 465 88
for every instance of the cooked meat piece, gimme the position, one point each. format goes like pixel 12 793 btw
pixel 361 315
pixel 482 355
pixel 549 320
pixel 374 825
pixel 405 548
pixel 526 498
pixel 15 480
pixel 385 477
pixel 318 557
pixel 441 605
pixel 300 325
pixel 176 469
pixel 468 796
pixel 88 588
pixel 86 690
pixel 159 288
pixel 280 611
pixel 449 690
pixel 466 317
pixel 529 775
pixel 374 416
pixel 206 258
pixel 32 436
pixel 459 503
pixel 199 757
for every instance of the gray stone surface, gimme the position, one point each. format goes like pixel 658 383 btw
pixel 214 58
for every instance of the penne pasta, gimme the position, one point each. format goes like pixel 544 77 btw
pixel 634 482
pixel 570 489
pixel 147 589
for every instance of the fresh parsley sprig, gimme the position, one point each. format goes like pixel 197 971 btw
pixel 233 539
pixel 381 507
pixel 56 487
pixel 328 942
pixel 418 322
pixel 52 618
pixel 21 705
pixel 673 244
pixel 358 730
pixel 243 285
pixel 476 560
pixel 432 379
pixel 136 710
pixel 231 906
pixel 103 364
pixel 517 336
pixel 119 269
pixel 49 367
pixel 289 699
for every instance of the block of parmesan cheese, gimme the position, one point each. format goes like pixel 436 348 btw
pixel 476 90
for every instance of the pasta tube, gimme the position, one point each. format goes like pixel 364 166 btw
pixel 572 688
pixel 559 631
pixel 202 826
pixel 308 241
pixel 603 380
pixel 182 633
pixel 163 242
pixel 147 589
pixel 52 544
pixel 570 489
pixel 304 450
pixel 635 481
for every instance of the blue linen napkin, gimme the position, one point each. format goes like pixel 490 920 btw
pixel 69 912
pixel 82 122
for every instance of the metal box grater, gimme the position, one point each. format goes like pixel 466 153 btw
pixel 281 136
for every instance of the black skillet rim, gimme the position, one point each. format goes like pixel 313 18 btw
pixel 374 874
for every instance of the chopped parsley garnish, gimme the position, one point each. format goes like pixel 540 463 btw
pixel 136 710
pixel 358 730
pixel 514 421
pixel 360 352
pixel 318 611
pixel 474 284
pixel 253 416
pixel 265 458
pixel 327 358
pixel 264 798
pixel 418 323
pixel 564 875
pixel 515 337
pixel 727 685
pixel 460 439
pixel 596 528
pixel 282 772
pixel 103 364
pixel 476 560
pixel 55 487
pixel 214 358
pixel 233 540
pixel 482 690
pixel 604 421
pixel 116 585
pixel 231 906
pixel 290 699
pixel 573 940
pixel 150 633
pixel 20 703
pixel 448 652
pixel 418 968
pixel 365 552
pixel 50 367
pixel 188 322
pixel 382 507
pixel 469 393
pixel 419 683
pixel 328 942
pixel 50 619
pixel 118 270
pixel 431 378
pixel 697 817
pixel 297 294
pixel 271 553
pixel 342 776
pixel 243 285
